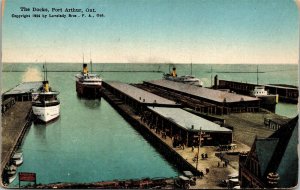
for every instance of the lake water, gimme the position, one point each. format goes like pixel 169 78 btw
pixel 91 141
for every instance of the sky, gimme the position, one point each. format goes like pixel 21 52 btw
pixel 153 31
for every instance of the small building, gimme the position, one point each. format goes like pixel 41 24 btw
pixel 184 127
pixel 275 123
pixel 273 161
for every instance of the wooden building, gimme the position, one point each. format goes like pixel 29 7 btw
pixel 22 92
pixel 272 162
pixel 275 123
pixel 184 127
pixel 219 102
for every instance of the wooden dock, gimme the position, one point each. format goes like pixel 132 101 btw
pixel 287 93
pixel 246 127
pixel 183 159
pixel 203 100
pixel 15 122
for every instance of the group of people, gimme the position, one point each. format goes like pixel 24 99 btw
pixel 201 174
pixel 203 156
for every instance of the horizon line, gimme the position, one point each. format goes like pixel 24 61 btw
pixel 170 63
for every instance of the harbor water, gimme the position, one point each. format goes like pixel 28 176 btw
pixel 91 142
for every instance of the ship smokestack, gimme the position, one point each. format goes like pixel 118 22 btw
pixel 174 72
pixel 46 86
pixel 84 68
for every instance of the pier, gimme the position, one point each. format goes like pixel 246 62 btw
pixel 15 122
pixel 191 139
pixel 16 119
pixel 161 126
pixel 287 93
pixel 183 155
pixel 203 100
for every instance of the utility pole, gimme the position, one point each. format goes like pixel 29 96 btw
pixel 198 149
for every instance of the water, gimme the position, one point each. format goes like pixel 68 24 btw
pixel 92 142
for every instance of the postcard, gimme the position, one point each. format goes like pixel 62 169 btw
pixel 112 94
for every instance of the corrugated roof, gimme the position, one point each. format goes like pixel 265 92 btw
pixel 139 94
pixel 210 94
pixel 24 87
pixel 186 120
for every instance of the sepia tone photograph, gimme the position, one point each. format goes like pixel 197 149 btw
pixel 149 94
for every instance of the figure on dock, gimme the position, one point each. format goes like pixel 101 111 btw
pixel 207 170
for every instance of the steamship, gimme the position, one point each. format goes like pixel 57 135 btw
pixel 268 101
pixel 88 84
pixel 187 79
pixel 45 105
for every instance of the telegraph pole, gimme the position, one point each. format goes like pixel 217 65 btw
pixel 198 149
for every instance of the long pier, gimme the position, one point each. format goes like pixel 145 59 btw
pixel 183 157
pixel 161 129
pixel 15 122
pixel 287 93
pixel 135 120
pixel 16 114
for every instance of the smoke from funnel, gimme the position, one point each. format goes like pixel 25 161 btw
pixel 32 74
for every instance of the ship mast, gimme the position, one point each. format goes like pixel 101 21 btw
pixel 91 63
pixel 257 74
pixel 45 71
pixel 211 75
pixel 191 68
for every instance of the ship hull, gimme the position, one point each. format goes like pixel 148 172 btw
pixel 268 102
pixel 88 90
pixel 46 113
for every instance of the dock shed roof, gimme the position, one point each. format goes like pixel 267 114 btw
pixel 24 87
pixel 209 94
pixel 140 95
pixel 186 120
